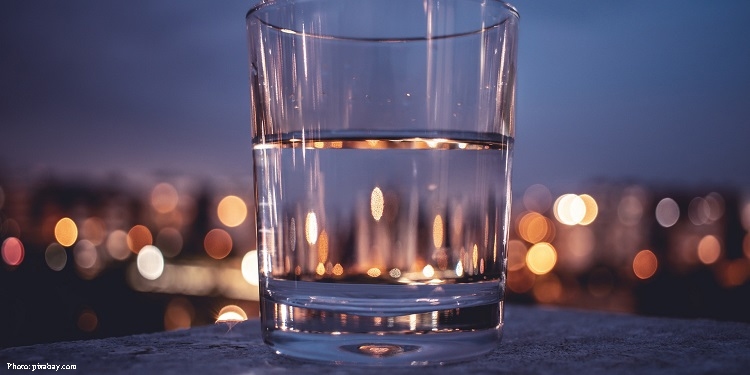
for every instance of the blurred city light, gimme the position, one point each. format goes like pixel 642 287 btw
pixel 55 257
pixel 232 211
pixel 12 251
pixel 709 249
pixel 138 237
pixel 217 243
pixel 541 258
pixel 150 262
pixel 249 267
pixel 179 314
pixel 66 232
pixel 667 212
pixel 645 264
pixel 164 198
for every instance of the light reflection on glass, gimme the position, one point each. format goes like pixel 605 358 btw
pixel 338 270
pixel 437 231
pixel 323 247
pixel 377 203
pixel 428 271
pixel 231 314
pixel 373 272
pixel 311 228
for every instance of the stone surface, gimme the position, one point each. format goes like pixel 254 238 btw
pixel 537 341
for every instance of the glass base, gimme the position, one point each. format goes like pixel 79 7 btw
pixel 387 349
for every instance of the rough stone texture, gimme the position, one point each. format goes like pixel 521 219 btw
pixel 537 341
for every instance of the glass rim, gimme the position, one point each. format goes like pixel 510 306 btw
pixel 511 10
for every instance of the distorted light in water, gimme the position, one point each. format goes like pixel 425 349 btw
pixel 428 271
pixel 459 269
pixel 373 272
pixel 645 264
pixel 547 289
pixel 249 267
pixel 541 258
pixel 232 211
pixel 231 314
pixel 66 231
pixel 516 255
pixel 117 245
pixel 87 320
pixel 138 237
pixel 699 211
pixel 474 256
pixel 169 241
pixel 569 209
pixel 667 212
pixel 150 262
pixel 591 211
pixel 164 198
pixel 178 314
pixel 12 251
pixel 320 269
pixel 217 243
pixel 437 231
pixel 323 247
pixel 709 249
pixel 55 256
pixel 338 270
pixel 311 228
pixel 537 198
pixel 94 230
pixel 630 210
pixel 85 254
pixel 377 203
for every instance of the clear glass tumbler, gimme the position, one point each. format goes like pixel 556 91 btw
pixel 382 139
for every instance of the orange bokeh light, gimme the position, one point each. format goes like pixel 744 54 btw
pixel 138 237
pixel 218 243
pixel 645 264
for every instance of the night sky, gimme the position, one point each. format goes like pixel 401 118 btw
pixel 649 91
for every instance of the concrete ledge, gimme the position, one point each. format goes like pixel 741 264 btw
pixel 537 341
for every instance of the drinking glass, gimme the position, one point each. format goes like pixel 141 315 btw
pixel 382 136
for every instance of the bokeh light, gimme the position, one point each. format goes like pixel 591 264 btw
pixel 709 249
pixel 667 212
pixel 592 209
pixel 630 210
pixel 178 314
pixel 699 211
pixel 66 231
pixel 323 247
pixel 645 264
pixel 169 241
pixel 534 227
pixel 516 255
pixel 249 267
pixel 94 230
pixel 338 270
pixel 117 245
pixel 217 243
pixel 547 289
pixel 231 314
pixel 428 271
pixel 87 320
pixel 85 254
pixel 377 203
pixel 733 273
pixel 138 237
pixel 537 198
pixel 232 211
pixel 715 206
pixel 569 209
pixel 150 262
pixel 12 251
pixel 164 198
pixel 520 281
pixel 541 258
pixel 55 257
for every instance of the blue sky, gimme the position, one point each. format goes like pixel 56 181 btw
pixel 650 91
